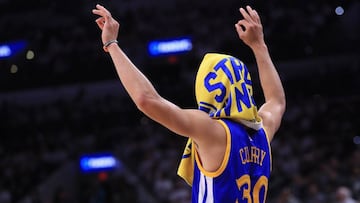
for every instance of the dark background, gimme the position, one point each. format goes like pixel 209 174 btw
pixel 67 100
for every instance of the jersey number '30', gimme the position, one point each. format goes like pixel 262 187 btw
pixel 244 183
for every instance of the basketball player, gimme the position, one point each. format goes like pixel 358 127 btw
pixel 228 151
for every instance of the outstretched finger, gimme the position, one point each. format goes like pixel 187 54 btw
pixel 103 9
pixel 254 15
pixel 245 14
pixel 98 12
pixel 257 17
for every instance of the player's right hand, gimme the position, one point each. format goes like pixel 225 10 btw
pixel 108 25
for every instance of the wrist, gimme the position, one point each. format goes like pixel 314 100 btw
pixel 109 44
pixel 261 47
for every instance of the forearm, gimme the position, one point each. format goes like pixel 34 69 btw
pixel 143 93
pixel 269 77
pixel 136 84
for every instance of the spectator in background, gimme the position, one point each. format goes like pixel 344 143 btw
pixel 344 195
pixel 5 195
pixel 286 196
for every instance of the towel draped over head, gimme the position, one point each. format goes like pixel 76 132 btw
pixel 223 89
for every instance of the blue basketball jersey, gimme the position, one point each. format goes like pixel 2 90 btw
pixel 244 173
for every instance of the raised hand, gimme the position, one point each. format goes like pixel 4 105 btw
pixel 250 29
pixel 108 25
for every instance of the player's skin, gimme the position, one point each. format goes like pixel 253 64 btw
pixel 208 134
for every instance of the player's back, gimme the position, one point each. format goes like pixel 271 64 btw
pixel 244 173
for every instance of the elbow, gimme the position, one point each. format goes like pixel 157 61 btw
pixel 282 103
pixel 141 102
pixel 278 103
pixel 144 102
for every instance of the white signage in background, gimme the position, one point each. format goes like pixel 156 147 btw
pixel 98 162
pixel 170 46
pixel 9 49
pixel 5 51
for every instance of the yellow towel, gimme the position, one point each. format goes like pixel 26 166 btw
pixel 223 89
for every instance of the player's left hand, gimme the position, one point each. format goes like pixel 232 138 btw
pixel 250 29
pixel 108 25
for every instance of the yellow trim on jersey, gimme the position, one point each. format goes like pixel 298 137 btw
pixel 225 159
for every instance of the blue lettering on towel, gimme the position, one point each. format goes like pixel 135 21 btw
pixel 241 93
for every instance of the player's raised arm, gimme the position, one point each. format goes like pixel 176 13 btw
pixel 250 30
pixel 143 93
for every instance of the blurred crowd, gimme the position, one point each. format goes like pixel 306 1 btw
pixel 316 154
pixel 64 36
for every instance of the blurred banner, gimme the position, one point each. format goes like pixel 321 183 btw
pixel 98 162
pixel 170 46
pixel 10 49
